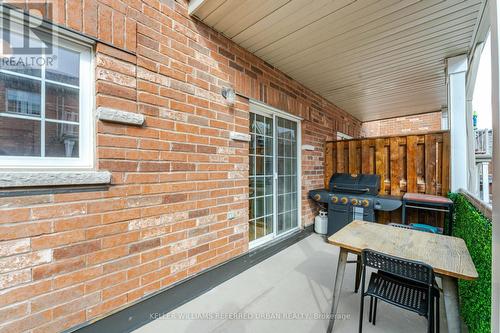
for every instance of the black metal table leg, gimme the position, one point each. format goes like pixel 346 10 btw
pixel 358 274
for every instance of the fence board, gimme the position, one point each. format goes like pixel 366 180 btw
pixel 445 180
pixel 366 157
pixel 411 155
pixel 353 157
pixel 414 163
pixel 430 164
pixel 341 167
pixel 329 161
pixel 395 166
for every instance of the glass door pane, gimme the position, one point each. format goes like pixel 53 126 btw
pixel 286 142
pixel 261 177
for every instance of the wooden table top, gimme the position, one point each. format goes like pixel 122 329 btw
pixel 447 255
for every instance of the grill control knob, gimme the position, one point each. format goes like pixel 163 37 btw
pixel 354 201
pixel 317 197
pixel 344 200
pixel 365 203
pixel 335 199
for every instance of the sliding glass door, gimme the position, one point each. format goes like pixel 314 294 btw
pixel 273 176
pixel 261 180
pixel 286 131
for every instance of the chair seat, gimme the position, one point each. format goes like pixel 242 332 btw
pixel 411 296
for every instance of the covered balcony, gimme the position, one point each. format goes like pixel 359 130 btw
pixel 167 174
pixel 376 61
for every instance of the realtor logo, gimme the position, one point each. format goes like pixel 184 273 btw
pixel 26 38
pixel 21 30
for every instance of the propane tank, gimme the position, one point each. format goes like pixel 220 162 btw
pixel 321 223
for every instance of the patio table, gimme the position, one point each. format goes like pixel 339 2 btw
pixel 447 255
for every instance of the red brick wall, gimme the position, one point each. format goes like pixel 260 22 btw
pixel 426 122
pixel 69 258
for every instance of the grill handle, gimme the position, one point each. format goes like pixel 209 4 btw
pixel 352 190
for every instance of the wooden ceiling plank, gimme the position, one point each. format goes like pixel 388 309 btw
pixel 417 91
pixel 374 59
pixel 380 29
pixel 332 26
pixel 366 69
pixel 363 70
pixel 247 13
pixel 431 69
pixel 463 25
pixel 207 7
pixel 286 20
pixel 385 93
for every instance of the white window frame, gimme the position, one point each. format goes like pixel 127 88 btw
pixel 263 109
pixel 86 139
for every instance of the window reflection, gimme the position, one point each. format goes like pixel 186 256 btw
pixel 61 140
pixel 19 137
pixel 66 68
pixel 61 103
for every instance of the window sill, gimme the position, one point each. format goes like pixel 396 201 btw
pixel 55 178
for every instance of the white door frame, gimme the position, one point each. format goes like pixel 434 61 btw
pixel 258 107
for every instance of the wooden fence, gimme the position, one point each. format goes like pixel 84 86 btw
pixel 414 163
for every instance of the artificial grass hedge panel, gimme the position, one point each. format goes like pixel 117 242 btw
pixel 475 296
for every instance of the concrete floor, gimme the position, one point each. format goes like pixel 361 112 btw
pixel 288 292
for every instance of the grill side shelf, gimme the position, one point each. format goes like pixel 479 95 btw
pixel 387 204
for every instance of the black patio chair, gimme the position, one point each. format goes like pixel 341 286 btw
pixel 402 226
pixel 358 259
pixel 418 227
pixel 404 283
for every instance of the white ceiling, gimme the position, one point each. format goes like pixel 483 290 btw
pixel 374 59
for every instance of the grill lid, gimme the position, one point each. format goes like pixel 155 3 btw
pixel 355 183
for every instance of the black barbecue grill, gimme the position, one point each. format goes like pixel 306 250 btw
pixel 353 197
